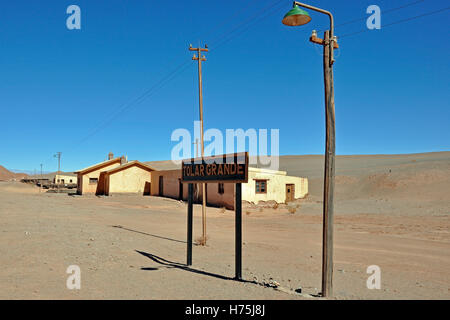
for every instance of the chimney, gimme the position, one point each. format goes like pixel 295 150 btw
pixel 123 160
pixel 110 156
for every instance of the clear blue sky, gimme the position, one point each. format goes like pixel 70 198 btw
pixel 57 86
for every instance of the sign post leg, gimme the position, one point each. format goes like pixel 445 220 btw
pixel 238 211
pixel 189 224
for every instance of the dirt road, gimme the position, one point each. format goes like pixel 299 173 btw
pixel 133 247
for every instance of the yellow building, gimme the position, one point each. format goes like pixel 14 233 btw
pixel 167 183
pixel 263 185
pixel 115 175
pixel 65 178
pixel 88 178
pixel 131 177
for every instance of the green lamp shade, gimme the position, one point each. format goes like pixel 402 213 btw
pixel 296 17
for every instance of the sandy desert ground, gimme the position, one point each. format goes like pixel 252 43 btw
pixel 391 211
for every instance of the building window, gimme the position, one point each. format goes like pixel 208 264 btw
pixel 70 180
pixel 221 188
pixel 261 186
pixel 93 180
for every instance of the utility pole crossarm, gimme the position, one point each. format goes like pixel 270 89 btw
pixel 320 41
pixel 199 49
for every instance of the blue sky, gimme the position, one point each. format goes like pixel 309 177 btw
pixel 58 86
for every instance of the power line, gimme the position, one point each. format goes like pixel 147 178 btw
pixel 397 22
pixel 166 79
pixel 384 12
pixel 249 20
pixel 270 9
pixel 144 95
pixel 222 40
pixel 235 14
pixel 125 106
pixel 276 9
pixel 268 13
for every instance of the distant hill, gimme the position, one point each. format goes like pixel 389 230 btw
pixel 422 176
pixel 5 174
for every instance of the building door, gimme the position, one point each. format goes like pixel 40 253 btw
pixel 79 185
pixel 180 195
pixel 147 188
pixel 161 186
pixel 290 192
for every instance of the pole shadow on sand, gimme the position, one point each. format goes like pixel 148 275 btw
pixel 171 264
pixel 148 234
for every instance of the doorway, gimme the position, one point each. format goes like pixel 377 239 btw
pixel 161 186
pixel 290 192
pixel 180 190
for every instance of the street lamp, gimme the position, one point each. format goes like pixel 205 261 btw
pixel 297 17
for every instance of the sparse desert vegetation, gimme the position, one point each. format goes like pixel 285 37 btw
pixel 200 241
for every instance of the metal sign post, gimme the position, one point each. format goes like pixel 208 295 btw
pixel 238 231
pixel 189 224
pixel 226 168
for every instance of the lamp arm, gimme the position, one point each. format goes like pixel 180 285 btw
pixel 328 13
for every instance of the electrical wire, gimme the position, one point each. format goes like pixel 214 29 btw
pixel 384 12
pixel 125 106
pixel 224 21
pixel 224 38
pixel 249 26
pixel 147 93
pixel 161 83
pixel 247 21
pixel 396 22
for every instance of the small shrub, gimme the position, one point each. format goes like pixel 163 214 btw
pixel 223 209
pixel 247 212
pixel 292 209
pixel 200 241
pixel 275 206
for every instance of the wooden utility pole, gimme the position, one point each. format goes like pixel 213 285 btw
pixel 40 183
pixel 298 17
pixel 201 58
pixel 58 155
pixel 329 44
pixel 196 185
pixel 196 147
